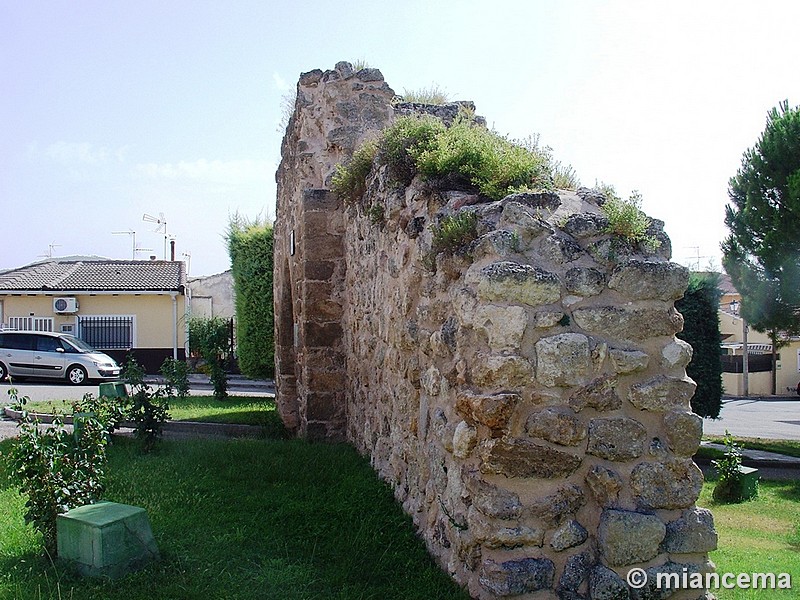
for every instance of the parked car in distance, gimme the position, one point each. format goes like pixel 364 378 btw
pixel 53 355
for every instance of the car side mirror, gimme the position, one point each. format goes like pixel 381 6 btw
pixel 60 350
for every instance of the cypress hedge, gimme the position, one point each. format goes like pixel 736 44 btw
pixel 699 308
pixel 250 245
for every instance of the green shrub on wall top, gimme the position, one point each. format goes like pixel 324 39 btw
pixel 465 154
pixel 250 246
pixel 701 329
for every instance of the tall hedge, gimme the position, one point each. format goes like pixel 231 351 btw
pixel 250 246
pixel 699 308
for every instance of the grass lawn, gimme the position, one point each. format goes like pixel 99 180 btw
pixel 240 519
pixel 245 410
pixel 759 536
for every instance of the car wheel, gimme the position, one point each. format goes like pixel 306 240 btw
pixel 76 375
pixel 3 372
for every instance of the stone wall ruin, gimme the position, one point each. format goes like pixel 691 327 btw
pixel 529 404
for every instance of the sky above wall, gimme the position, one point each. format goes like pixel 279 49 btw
pixel 111 111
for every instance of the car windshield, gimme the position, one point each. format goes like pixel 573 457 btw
pixel 78 343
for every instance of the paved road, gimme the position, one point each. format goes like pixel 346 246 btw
pixel 764 417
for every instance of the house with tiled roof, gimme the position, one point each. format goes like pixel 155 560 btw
pixel 118 306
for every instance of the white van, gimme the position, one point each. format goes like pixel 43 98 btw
pixel 52 355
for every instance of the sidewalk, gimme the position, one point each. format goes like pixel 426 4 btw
pixel 238 385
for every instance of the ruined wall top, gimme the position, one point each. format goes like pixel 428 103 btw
pixel 524 393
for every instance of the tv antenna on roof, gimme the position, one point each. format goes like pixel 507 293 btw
pixel 162 226
pixel 50 249
pixel 134 247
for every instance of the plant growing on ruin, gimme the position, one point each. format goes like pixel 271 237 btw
pixel 455 233
pixel 404 140
pixel 376 214
pixel 350 180
pixel 468 153
pixel 432 94
pixel 626 219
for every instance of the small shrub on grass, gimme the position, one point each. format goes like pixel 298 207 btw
pixel 350 180
pixel 110 412
pixel 58 470
pixel 729 485
pixel 176 374
pixel 148 410
pixel 209 339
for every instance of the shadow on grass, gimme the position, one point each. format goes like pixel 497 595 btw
pixel 251 519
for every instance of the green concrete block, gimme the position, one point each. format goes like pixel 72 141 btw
pixel 113 389
pixel 106 539
pixel 749 482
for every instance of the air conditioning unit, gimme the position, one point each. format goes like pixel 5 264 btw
pixel 65 305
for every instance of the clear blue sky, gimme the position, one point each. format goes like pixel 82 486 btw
pixel 110 110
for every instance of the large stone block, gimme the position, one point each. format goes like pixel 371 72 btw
pixel 643 280
pixel 569 535
pixel 515 577
pixel 492 410
pixel 585 281
pixel 504 326
pixel 629 323
pixel 605 485
pixel 522 458
pixel 616 438
pixel 600 394
pixel 662 393
pixel 605 584
pixel 563 360
pixel 692 533
pixel 502 372
pixel 106 539
pixel 490 499
pixel 556 426
pixel 554 508
pixel 627 538
pixel 503 534
pixel 670 484
pixel 510 281
pixel 684 432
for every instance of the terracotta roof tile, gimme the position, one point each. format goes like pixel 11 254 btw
pixel 102 275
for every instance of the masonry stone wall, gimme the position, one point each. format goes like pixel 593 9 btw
pixel 528 402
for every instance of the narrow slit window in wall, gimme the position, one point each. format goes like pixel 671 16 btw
pixel 291 243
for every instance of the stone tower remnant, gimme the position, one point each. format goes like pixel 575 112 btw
pixel 529 404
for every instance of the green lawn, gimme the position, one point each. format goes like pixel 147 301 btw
pixel 758 536
pixel 243 519
pixel 246 410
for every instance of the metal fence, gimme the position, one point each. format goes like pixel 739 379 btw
pixel 106 332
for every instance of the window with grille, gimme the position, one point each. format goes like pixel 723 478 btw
pixel 107 332
pixel 31 323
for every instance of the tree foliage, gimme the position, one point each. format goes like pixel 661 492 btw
pixel 250 245
pixel 699 307
pixel 762 251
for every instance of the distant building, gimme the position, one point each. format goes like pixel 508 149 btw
pixel 212 296
pixel 118 306
pixel 759 353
